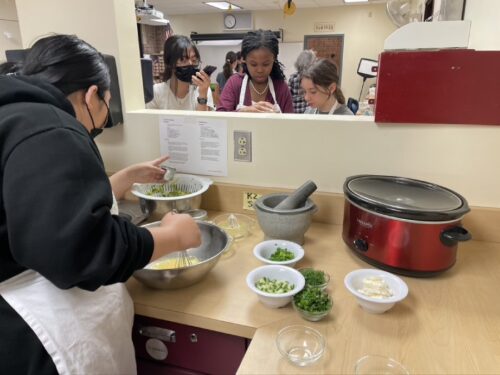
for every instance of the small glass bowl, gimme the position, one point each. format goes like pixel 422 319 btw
pixel 320 286
pixel 300 345
pixel 237 226
pixel 378 364
pixel 312 316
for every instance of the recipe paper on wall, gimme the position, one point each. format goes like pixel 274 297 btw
pixel 196 145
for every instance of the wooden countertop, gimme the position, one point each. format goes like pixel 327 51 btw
pixel 447 324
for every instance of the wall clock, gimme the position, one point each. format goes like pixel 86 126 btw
pixel 229 21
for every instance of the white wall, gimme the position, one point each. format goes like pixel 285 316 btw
pixel 289 150
pixel 365 28
pixel 485 17
pixel 10 36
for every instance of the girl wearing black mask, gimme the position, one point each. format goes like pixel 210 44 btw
pixel 185 85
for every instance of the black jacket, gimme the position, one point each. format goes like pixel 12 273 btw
pixel 55 196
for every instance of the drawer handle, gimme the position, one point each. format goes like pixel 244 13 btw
pixel 163 334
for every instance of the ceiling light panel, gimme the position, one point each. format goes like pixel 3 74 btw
pixel 224 5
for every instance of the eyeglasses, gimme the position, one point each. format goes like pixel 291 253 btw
pixel 189 61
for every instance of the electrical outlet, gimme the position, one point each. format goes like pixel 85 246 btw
pixel 242 145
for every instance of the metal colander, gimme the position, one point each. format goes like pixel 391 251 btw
pixel 152 200
pixel 185 183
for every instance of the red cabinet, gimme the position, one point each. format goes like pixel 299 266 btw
pixel 452 86
pixel 164 347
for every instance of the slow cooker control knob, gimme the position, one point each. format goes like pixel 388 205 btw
pixel 361 245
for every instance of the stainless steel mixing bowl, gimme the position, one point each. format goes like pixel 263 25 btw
pixel 214 241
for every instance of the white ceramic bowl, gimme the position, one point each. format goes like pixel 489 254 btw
pixel 354 282
pixel 274 272
pixel 265 249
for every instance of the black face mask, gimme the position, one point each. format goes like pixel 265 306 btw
pixel 184 73
pixel 94 132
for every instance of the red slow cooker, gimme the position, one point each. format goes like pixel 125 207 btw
pixel 406 226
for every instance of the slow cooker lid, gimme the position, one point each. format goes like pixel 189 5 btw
pixel 404 196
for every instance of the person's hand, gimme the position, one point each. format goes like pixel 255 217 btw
pixel 185 229
pixel 202 80
pixel 259 107
pixel 147 172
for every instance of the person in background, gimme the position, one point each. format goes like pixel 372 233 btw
pixel 304 59
pixel 319 84
pixel 262 88
pixel 239 65
pixel 227 70
pixel 184 85
pixel 64 251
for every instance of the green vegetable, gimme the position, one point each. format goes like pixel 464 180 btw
pixel 274 286
pixel 162 191
pixel 313 277
pixel 282 255
pixel 313 300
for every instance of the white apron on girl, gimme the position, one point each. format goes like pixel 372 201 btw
pixel 334 107
pixel 243 91
pixel 84 332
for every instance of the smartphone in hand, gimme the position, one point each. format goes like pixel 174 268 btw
pixel 209 69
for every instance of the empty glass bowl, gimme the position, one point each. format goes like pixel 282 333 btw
pixel 301 345
pixel 378 364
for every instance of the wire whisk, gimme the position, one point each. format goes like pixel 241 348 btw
pixel 184 260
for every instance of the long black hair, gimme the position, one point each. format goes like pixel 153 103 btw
pixel 176 47
pixel 323 73
pixel 263 39
pixel 68 63
pixel 230 59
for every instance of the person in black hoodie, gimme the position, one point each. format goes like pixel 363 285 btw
pixel 63 255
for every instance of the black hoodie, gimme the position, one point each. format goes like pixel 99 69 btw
pixel 55 196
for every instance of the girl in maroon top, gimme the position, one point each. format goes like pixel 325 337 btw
pixel 263 87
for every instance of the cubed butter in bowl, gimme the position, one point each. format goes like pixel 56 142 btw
pixel 375 290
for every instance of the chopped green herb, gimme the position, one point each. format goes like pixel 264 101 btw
pixel 162 191
pixel 274 286
pixel 313 300
pixel 313 277
pixel 282 255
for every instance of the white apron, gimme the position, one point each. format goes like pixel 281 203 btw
pixel 334 107
pixel 243 91
pixel 84 332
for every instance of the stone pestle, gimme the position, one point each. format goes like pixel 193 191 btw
pixel 298 197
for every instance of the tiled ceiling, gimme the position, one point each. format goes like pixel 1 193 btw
pixel 177 7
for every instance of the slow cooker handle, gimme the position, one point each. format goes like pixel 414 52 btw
pixel 450 236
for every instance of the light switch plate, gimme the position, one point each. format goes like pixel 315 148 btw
pixel 242 145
